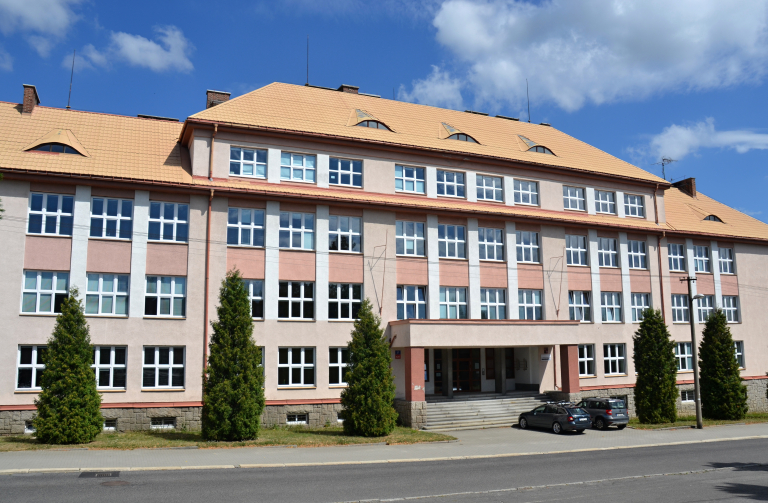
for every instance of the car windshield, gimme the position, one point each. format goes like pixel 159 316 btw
pixel 577 411
pixel 617 404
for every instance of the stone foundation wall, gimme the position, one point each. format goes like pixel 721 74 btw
pixel 317 414
pixel 412 414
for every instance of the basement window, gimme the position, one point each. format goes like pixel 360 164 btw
pixel 374 125
pixel 29 428
pixel 57 148
pixel 110 425
pixel 713 218
pixel 296 419
pixel 162 423
pixel 462 137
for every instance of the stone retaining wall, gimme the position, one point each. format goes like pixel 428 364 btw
pixel 412 414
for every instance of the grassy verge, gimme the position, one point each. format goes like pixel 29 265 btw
pixel 298 436
pixel 755 417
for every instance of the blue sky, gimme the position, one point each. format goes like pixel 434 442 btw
pixel 638 79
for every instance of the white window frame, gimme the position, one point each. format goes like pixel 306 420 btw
pixel 289 231
pixel 493 304
pixel 176 297
pixel 731 308
pixel 302 366
pixel 726 261
pixel 245 227
pixel 676 255
pixel 255 289
pixel 295 167
pixel 410 176
pixel 527 247
pixel 410 233
pixel 452 247
pixel 529 305
pixel 573 198
pixel 340 227
pixel 587 367
pixel 162 423
pixel 576 250
pixel 414 296
pixel 526 192
pixel 705 307
pixel 36 365
pixel 634 205
pixel 687 396
pixel 298 306
pixel 579 305
pixel 489 186
pixel 637 255
pixel 701 258
pixel 640 302
pixel 615 359
pixel 110 367
pixel 684 356
pixel 680 309
pixel 123 224
pixel 44 213
pixel 610 307
pixel 738 348
pixel 338 362
pixel 491 243
pixel 453 303
pixel 56 294
pixel 453 183
pixel 168 367
pixel 344 295
pixel 607 254
pixel 605 202
pixel 238 162
pixel 176 223
pixel 340 168
pixel 102 296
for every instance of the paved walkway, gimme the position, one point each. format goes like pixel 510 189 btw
pixel 498 442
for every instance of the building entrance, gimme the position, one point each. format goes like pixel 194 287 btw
pixel 466 369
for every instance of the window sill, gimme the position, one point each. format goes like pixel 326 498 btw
pixel 248 177
pixel 165 318
pixel 296 387
pixel 616 375
pixel 355 187
pixel 573 209
pixel 527 204
pixel 341 321
pixel 120 316
pixel 412 256
pixel 102 238
pixel 489 201
pixel 685 371
pixel 338 386
pixel 460 198
pixel 100 390
pixel 27 392
pixel 612 322
pixel 44 315
pixel 345 252
pixel 408 193
pixel 157 390
pixel 297 250
pixel 639 217
pixel 167 242
pixel 608 267
pixel 288 180
pixel 455 258
pixel 577 265
pixel 245 246
pixel 49 235
pixel 638 268
pixel 296 320
pixel 529 263
pixel 588 377
pixel 493 261
pixel 605 213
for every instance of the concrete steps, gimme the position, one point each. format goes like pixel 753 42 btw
pixel 487 410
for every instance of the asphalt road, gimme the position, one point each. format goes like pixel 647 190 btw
pixel 722 471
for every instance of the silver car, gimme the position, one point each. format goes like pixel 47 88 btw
pixel 606 412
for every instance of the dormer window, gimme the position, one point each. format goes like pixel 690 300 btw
pixel 713 218
pixel 462 137
pixel 56 148
pixel 541 150
pixel 374 125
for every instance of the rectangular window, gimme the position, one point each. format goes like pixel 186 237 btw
pixel 576 250
pixel 409 238
pixel 163 367
pixel 255 289
pixel 573 198
pixel 297 167
pixel 611 306
pixel 526 192
pixel 637 255
pixel 409 179
pixel 586 360
pixel 344 300
pixel 680 309
pixel 107 294
pixel 29 367
pixel 50 214
pixel 731 308
pixel 296 366
pixel 345 172
pixel 162 423
pixel 450 183
pixel 676 254
pixel 493 304
pixel 296 300
pixel 247 162
pixel 109 366
pixel 606 252
pixel 344 234
pixel 111 218
pixel 338 361
pixel 579 307
pixel 44 291
pixel 166 296
pixel 451 241
pixel 297 230
pixel 634 205
pixel 684 356
pixel 296 419
pixel 701 258
pixel 453 303
pixel 411 302
pixel 489 188
pixel 168 222
pixel 527 246
pixel 605 202
pixel 726 260
pixel 529 302
pixel 687 396
pixel 738 347
pixel 640 302
pixel 491 243
pixel 705 307
pixel 245 227
pixel 614 359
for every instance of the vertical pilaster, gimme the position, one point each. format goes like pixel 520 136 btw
pixel 431 175
pixel 433 264
pixel 414 374
pixel 714 256
pixel 271 259
pixel 626 287
pixel 473 254
pixel 594 269
pixel 321 264
pixel 139 253
pixel 590 195
pixel 471 185
pixel 691 270
pixel 322 170
pixel 620 204
pixel 509 191
pixel 80 231
pixel 273 165
pixel 510 248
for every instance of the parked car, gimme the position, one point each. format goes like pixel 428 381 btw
pixel 558 417
pixel 606 412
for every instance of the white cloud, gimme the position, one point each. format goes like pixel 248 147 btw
pixel 679 141
pixel 439 90
pixel 574 53
pixel 6 61
pixel 170 53
pixel 47 20
pixel 749 212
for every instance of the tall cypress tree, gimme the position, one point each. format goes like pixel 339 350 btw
pixel 656 367
pixel 722 394
pixel 69 406
pixel 233 384
pixel 369 397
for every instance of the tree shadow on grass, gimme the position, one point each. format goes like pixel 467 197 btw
pixel 27 440
pixel 176 436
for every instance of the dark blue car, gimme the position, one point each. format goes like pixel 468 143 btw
pixel 558 417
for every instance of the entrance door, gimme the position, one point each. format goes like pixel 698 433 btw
pixel 466 369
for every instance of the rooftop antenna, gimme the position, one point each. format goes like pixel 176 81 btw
pixel 307 60
pixel 664 161
pixel 70 78
pixel 529 100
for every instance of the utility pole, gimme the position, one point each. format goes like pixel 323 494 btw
pixel 694 350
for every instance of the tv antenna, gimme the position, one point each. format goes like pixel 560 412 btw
pixel 529 100
pixel 70 78
pixel 307 60
pixel 664 161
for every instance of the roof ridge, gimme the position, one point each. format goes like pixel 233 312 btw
pixel 92 112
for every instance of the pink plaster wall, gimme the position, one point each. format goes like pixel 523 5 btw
pixel 346 211
pixel 493 224
pixel 610 279
pixel 109 256
pixel 675 285
pixel 51 187
pixel 412 271
pixel 640 281
pixel 97 191
pixel 579 278
pixel 729 284
pixel 530 276
pixel 298 208
pixel 705 284
pixel 250 261
pixel 443 219
pixel 493 274
pixel 297 266
pixel 454 273
pixel 170 197
pixel 345 268
pixel 413 217
pixel 246 203
pixel 166 259
pixel 47 253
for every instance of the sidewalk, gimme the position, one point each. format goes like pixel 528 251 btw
pixel 498 442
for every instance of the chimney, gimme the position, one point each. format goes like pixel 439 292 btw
pixel 688 186
pixel 31 99
pixel 345 88
pixel 213 98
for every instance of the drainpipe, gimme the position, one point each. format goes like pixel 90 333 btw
pixel 207 275
pixel 658 253
pixel 210 161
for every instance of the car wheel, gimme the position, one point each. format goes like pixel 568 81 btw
pixel 600 423
pixel 621 426
pixel 523 423
pixel 557 428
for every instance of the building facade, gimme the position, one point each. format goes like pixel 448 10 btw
pixel 500 255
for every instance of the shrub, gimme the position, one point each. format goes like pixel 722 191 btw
pixel 723 396
pixel 656 367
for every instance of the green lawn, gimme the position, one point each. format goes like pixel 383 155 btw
pixel 755 417
pixel 290 436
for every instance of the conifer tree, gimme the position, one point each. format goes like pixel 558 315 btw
pixel 368 400
pixel 233 384
pixel 656 367
pixel 722 394
pixel 69 406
